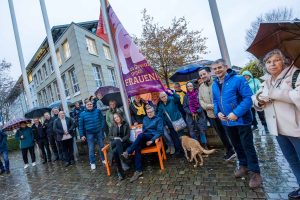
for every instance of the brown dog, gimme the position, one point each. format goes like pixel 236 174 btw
pixel 192 145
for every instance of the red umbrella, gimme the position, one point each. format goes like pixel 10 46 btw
pixel 278 35
pixel 15 123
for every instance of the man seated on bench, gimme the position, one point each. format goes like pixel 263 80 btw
pixel 152 129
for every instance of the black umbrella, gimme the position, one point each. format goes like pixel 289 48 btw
pixel 187 73
pixel 106 89
pixel 112 96
pixel 37 112
pixel 278 35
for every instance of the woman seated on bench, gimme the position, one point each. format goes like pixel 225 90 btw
pixel 152 129
pixel 119 134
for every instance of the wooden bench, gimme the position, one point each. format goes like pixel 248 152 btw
pixel 157 148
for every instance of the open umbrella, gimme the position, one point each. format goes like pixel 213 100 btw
pixel 57 104
pixel 186 73
pixel 15 123
pixel 37 112
pixel 278 35
pixel 112 96
pixel 106 89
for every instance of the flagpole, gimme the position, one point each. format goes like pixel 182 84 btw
pixel 61 87
pixel 115 61
pixel 219 31
pixel 20 53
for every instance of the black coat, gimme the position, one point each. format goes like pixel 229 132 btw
pixel 48 126
pixel 58 128
pixel 39 132
pixel 124 135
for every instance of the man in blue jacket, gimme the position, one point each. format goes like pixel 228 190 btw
pixel 91 123
pixel 4 153
pixel 232 105
pixel 153 128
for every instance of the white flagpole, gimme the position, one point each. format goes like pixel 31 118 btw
pixel 219 31
pixel 20 53
pixel 61 87
pixel 115 60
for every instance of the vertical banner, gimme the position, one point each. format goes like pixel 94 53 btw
pixel 138 76
pixel 101 33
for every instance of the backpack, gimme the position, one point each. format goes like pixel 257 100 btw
pixel 294 78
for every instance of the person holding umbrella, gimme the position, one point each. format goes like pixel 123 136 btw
pixel 25 136
pixel 4 153
pixel 279 97
pixel 40 136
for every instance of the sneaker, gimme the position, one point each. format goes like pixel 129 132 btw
pixel 26 166
pixel 172 151
pixel 104 162
pixel 135 176
pixel 295 194
pixel 254 128
pixel 241 172
pixel 33 164
pixel 93 166
pixel 229 156
pixel 125 155
pixel 255 180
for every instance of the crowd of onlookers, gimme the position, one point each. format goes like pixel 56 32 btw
pixel 226 101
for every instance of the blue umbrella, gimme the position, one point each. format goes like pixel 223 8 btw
pixel 57 104
pixel 186 73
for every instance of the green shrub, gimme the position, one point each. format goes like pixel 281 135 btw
pixel 13 144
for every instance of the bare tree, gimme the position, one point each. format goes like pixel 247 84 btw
pixel 166 48
pixel 273 15
pixel 6 83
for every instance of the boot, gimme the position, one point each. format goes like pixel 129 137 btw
pixel 255 180
pixel 241 172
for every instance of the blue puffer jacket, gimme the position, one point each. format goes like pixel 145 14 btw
pixel 153 126
pixel 3 141
pixel 90 122
pixel 233 96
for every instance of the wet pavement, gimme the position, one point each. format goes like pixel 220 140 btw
pixel 179 180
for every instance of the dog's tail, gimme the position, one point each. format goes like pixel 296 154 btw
pixel 208 151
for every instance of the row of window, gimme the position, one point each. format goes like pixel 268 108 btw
pixel 48 69
pixel 98 75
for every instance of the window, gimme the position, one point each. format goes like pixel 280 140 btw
pixel 40 99
pixel 74 80
pixel 50 65
pixel 64 79
pixel 56 90
pixel 44 95
pixel 112 77
pixel 40 76
pixel 45 71
pixel 59 62
pixel 35 80
pixel 91 46
pixel 107 52
pixel 49 90
pixel 98 75
pixel 66 50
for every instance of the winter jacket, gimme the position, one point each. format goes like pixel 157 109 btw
pixel 39 132
pixel 76 113
pixel 283 111
pixel 153 126
pixel 171 107
pixel 254 83
pixel 90 122
pixel 27 140
pixel 58 128
pixel 48 126
pixel 3 141
pixel 234 95
pixel 110 116
pixel 206 98
pixel 124 135
pixel 102 107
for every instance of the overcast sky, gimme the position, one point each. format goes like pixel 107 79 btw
pixel 236 17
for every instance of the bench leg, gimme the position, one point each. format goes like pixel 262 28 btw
pixel 160 157
pixel 106 164
pixel 163 150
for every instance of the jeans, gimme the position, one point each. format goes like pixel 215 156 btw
pixel 137 145
pixel 68 151
pixel 91 138
pixel 217 124
pixel 175 137
pixel 261 115
pixel 290 147
pixel 43 144
pixel 24 154
pixel 6 161
pixel 168 138
pixel 200 125
pixel 242 140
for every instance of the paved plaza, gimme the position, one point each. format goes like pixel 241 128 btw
pixel 180 180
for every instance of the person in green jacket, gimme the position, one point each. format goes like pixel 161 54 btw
pixel 25 136
pixel 254 84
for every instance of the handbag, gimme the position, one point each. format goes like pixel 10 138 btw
pixel 178 125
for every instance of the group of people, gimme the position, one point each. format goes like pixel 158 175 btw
pixel 229 102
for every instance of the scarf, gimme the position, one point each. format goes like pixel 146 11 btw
pixel 140 109
pixel 193 101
